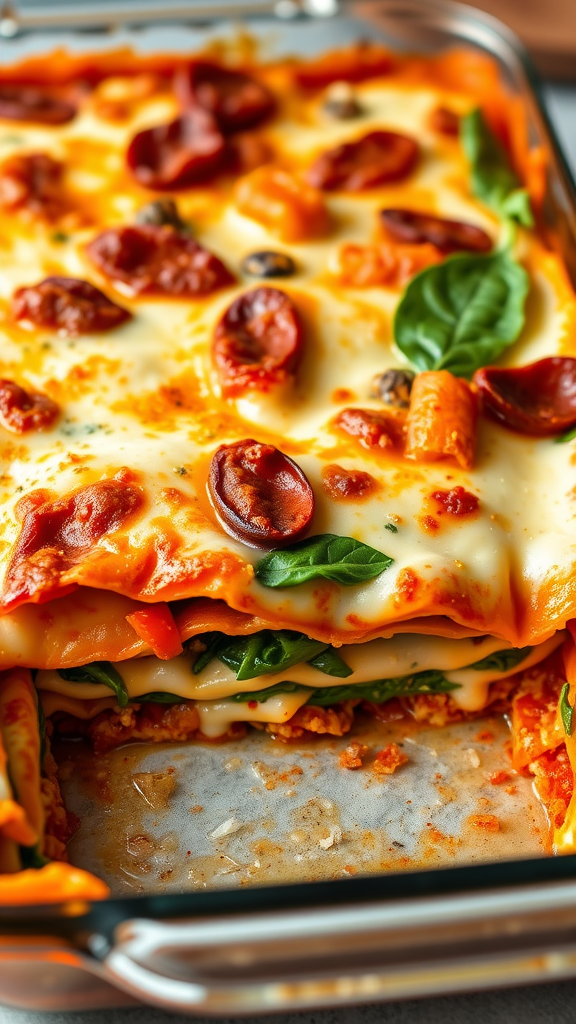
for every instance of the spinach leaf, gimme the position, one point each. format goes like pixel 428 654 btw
pixel 213 642
pixel 327 556
pixel 493 180
pixel 568 436
pixel 502 661
pixel 261 696
pixel 378 691
pixel 566 709
pixel 262 653
pixel 98 672
pixel 381 690
pixel 330 662
pixel 463 313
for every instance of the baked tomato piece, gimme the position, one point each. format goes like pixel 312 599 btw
pixel 157 260
pixel 234 99
pixel 258 342
pixel 371 160
pixel 260 496
pixel 178 155
pixel 22 411
pixel 67 305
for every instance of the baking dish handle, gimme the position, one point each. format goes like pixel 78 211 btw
pixel 263 963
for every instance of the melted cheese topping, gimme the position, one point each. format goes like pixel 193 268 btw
pixel 145 395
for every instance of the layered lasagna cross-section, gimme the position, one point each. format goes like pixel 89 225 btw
pixel 287 408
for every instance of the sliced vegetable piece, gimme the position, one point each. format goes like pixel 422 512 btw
pixel 263 653
pixel 258 342
pixel 293 210
pixel 463 313
pixel 373 159
pixel 102 672
pixel 447 235
pixel 441 419
pixel 493 179
pixel 538 399
pixel 343 560
pixel 156 626
pixel 260 496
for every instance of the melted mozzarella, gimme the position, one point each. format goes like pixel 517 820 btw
pixel 145 395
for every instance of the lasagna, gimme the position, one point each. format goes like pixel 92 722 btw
pixel 287 395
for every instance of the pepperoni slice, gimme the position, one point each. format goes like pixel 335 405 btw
pixel 538 399
pixel 69 306
pixel 234 99
pixel 258 342
pixel 28 103
pixel 55 536
pixel 371 160
pixel 158 260
pixel 447 235
pixel 260 495
pixel 21 411
pixel 32 181
pixel 177 155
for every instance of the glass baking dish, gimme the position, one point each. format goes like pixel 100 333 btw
pixel 280 947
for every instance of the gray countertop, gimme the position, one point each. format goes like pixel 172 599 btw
pixel 549 1004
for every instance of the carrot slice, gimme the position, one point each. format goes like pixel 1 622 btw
pixel 441 419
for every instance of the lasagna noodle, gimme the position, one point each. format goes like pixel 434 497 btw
pixel 22 815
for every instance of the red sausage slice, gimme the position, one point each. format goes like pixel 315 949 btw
pixel 28 103
pixel 69 306
pixel 236 100
pixel 447 235
pixel 21 411
pixel 372 160
pixel 33 181
pixel 538 399
pixel 258 342
pixel 158 260
pixel 260 495
pixel 179 154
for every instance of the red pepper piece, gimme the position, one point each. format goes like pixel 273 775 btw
pixel 156 626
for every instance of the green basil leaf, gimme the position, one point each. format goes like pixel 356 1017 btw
pixel 568 436
pixel 381 690
pixel 98 672
pixel 260 653
pixel 261 696
pixel 566 709
pixel 502 661
pixel 327 556
pixel 463 313
pixel 158 697
pixel 493 180
pixel 330 662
